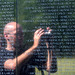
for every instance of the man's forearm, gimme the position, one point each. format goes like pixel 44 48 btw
pixel 12 63
pixel 25 55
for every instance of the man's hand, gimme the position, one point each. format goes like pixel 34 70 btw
pixel 49 30
pixel 37 35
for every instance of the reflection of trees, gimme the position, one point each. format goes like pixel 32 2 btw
pixel 59 15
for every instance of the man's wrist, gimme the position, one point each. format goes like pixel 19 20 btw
pixel 34 46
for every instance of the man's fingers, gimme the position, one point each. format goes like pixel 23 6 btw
pixel 41 31
pixel 41 34
pixel 38 30
pixel 49 30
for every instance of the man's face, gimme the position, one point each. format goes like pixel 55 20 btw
pixel 15 35
pixel 12 37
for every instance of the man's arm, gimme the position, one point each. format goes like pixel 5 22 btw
pixel 11 63
pixel 49 55
pixel 49 61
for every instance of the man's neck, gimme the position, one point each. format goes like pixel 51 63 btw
pixel 10 47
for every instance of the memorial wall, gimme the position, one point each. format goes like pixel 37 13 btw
pixel 59 15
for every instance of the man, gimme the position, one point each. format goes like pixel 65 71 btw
pixel 8 61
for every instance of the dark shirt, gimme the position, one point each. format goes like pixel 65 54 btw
pixel 5 55
pixel 27 68
pixel 38 60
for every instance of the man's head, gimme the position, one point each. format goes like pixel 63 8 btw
pixel 13 33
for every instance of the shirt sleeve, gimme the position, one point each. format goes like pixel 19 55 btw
pixel 5 55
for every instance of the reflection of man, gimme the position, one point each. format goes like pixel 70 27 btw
pixel 8 61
